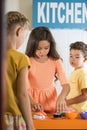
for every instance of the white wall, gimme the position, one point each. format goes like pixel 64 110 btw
pixel 24 6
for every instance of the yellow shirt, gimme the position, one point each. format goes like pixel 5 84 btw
pixel 16 61
pixel 78 81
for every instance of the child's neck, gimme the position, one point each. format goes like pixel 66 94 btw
pixel 11 45
pixel 79 67
pixel 41 59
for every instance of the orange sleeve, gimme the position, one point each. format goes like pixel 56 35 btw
pixel 61 72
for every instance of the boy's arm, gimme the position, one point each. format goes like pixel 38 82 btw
pixel 23 99
pixel 78 99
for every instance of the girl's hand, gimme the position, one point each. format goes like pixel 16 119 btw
pixel 36 107
pixel 61 100
pixel 61 104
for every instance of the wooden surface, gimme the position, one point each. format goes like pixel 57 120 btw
pixel 57 123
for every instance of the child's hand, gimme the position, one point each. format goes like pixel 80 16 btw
pixel 61 104
pixel 36 107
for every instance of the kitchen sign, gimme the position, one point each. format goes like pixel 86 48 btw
pixel 60 13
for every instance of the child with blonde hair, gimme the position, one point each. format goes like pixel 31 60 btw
pixel 18 111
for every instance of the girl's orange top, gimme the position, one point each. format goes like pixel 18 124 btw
pixel 41 82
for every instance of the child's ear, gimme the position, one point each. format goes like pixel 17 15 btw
pixel 18 30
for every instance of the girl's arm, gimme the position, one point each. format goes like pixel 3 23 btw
pixel 78 99
pixel 23 99
pixel 61 100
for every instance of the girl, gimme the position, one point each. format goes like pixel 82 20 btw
pixel 77 97
pixel 18 113
pixel 45 64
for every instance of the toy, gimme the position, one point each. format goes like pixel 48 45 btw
pixel 83 115
pixel 72 114
pixel 59 114
pixel 39 115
